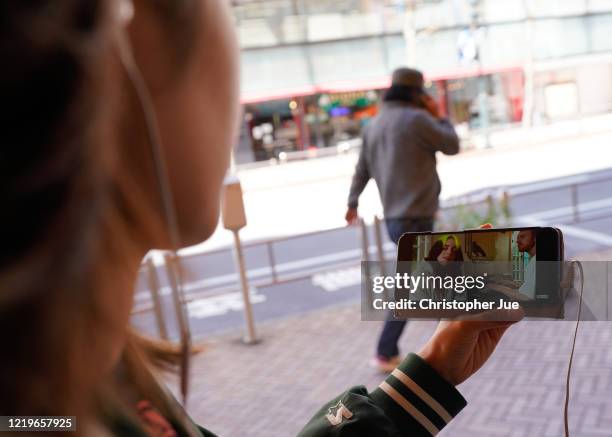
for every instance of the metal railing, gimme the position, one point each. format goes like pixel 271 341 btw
pixel 571 184
pixel 272 274
pixel 276 273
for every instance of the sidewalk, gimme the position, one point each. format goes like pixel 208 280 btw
pixel 273 388
pixel 311 195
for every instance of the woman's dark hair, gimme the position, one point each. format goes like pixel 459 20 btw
pixel 67 224
pixel 435 251
pixel 452 268
pixel 52 183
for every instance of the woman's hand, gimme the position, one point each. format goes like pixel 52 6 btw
pixel 459 348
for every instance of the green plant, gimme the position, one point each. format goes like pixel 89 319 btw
pixel 471 215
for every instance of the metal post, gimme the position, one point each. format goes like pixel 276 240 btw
pixel 574 191
pixel 607 291
pixel 379 245
pixel 483 97
pixel 409 32
pixel 272 261
pixel 505 205
pixel 153 281
pixel 529 86
pixel 250 336
pixel 365 265
pixel 364 240
pixel 174 276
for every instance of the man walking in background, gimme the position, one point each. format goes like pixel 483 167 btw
pixel 399 153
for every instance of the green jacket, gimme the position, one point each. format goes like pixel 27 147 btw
pixel 412 401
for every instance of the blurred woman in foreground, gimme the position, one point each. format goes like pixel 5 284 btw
pixel 84 200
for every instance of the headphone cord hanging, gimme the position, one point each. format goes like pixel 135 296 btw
pixel 571 358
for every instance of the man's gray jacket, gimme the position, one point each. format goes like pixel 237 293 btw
pixel 399 152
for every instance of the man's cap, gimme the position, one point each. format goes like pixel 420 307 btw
pixel 408 77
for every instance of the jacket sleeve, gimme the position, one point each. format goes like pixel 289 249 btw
pixel 413 401
pixel 437 134
pixel 360 177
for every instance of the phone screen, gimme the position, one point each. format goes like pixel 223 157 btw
pixel 507 258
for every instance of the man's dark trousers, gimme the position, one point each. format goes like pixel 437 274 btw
pixel 392 330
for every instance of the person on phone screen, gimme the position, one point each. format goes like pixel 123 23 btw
pixel 444 259
pixel 526 243
pixel 399 153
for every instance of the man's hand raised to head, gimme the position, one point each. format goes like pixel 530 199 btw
pixel 431 106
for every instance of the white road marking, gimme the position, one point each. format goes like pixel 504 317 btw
pixel 336 279
pixel 221 305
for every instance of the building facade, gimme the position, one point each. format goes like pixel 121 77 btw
pixel 313 71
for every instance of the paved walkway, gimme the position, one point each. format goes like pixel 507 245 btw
pixel 272 389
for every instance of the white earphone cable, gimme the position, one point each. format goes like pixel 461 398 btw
pixel 146 103
pixel 571 358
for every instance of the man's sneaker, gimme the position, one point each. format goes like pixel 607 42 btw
pixel 384 364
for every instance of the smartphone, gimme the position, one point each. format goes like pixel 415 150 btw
pixel 515 264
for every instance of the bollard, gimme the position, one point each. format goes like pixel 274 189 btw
pixel 576 215
pixel 250 336
pixel 364 240
pixel 173 270
pixel 365 265
pixel 272 262
pixel 379 244
pixel 505 205
pixel 175 273
pixel 234 219
pixel 153 281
